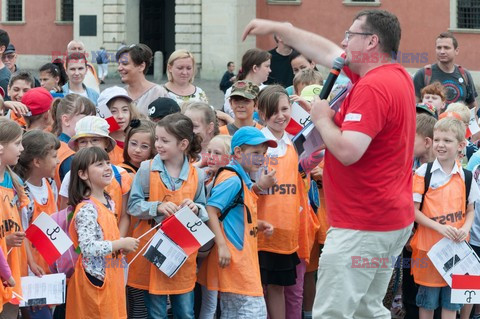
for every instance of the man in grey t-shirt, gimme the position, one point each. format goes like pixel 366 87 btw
pixel 458 82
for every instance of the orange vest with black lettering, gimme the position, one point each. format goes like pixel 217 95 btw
pixel 116 155
pixel 50 207
pixel 242 275
pixel 309 224
pixel 17 258
pixel 281 206
pixel 63 153
pixel 184 280
pixel 85 300
pixel 446 205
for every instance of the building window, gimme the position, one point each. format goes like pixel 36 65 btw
pixel 374 3
pixel 287 2
pixel 468 14
pixel 14 10
pixel 67 10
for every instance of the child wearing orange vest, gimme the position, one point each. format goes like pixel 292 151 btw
pixel 14 199
pixel 139 147
pixel 232 266
pixel 243 99
pixel 66 112
pixel 160 188
pixel 36 166
pixel 123 111
pixel 444 198
pixel 93 131
pixel 280 204
pixel 97 288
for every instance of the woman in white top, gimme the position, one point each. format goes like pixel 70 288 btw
pixel 255 68
pixel 181 71
pixel 133 63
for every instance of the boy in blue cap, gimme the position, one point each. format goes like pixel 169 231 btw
pixel 232 266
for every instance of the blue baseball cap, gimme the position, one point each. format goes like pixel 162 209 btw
pixel 249 135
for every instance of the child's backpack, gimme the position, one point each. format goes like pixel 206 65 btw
pixel 428 176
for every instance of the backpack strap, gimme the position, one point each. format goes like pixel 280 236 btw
pixel 238 200
pixel 117 174
pixel 428 176
pixel 463 73
pixel 468 184
pixel 427 77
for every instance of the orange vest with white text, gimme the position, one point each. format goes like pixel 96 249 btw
pixel 184 280
pixel 12 203
pixel 50 207
pixel 446 205
pixel 242 275
pixel 85 300
pixel 281 206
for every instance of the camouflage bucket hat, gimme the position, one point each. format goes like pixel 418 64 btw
pixel 245 89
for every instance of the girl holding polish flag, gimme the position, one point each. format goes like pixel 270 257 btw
pixel 97 288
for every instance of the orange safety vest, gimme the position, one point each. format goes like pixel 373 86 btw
pixel 445 204
pixel 116 155
pixel 309 224
pixel 85 300
pixel 50 207
pixel 322 213
pixel 242 276
pixel 63 153
pixel 223 130
pixel 19 119
pixel 184 279
pixel 116 191
pixel 281 206
pixel 17 259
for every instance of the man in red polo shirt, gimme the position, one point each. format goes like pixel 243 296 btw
pixel 367 174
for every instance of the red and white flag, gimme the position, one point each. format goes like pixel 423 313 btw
pixel 465 289
pixel 187 230
pixel 104 112
pixel 48 238
pixel 299 119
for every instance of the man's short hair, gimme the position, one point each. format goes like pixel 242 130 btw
pixel 452 124
pixel 4 38
pixel 449 35
pixel 22 75
pixel 435 88
pixel 386 26
pixel 425 125
pixel 229 63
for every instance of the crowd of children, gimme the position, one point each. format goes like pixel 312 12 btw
pixel 109 182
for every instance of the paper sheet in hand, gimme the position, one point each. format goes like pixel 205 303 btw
pixel 450 258
pixel 47 290
pixel 165 254
pixel 309 139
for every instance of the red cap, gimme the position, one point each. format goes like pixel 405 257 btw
pixel 38 100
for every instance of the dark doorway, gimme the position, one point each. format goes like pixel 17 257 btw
pixel 157 26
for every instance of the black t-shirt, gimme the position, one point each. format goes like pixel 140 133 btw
pixel 455 86
pixel 282 72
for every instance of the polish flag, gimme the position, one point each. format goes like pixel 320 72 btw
pixel 187 230
pixel 104 112
pixel 48 238
pixel 299 119
pixel 465 289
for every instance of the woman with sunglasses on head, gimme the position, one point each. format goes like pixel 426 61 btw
pixel 181 69
pixel 133 63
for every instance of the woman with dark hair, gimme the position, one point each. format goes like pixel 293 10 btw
pixel 255 68
pixel 76 66
pixel 133 63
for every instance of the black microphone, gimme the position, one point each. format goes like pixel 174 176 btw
pixel 338 64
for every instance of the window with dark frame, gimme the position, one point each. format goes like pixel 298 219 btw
pixel 363 0
pixel 14 10
pixel 67 10
pixel 468 14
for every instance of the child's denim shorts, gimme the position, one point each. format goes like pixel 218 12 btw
pixel 432 297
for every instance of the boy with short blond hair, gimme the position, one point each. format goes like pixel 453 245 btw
pixel 439 192
pixel 423 147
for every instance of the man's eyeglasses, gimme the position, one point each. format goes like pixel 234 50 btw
pixel 348 34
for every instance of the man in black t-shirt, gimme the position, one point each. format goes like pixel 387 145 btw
pixel 458 82
pixel 282 72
